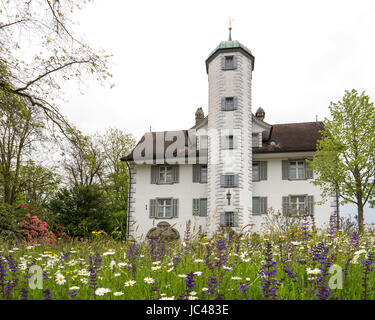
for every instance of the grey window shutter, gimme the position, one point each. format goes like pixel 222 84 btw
pixel 263 205
pixel 309 171
pixel 152 209
pixel 236 180
pixel 235 103
pixel 235 62
pixel 222 219
pixel 236 219
pixel 176 174
pixel 223 105
pixel 285 169
pixel 223 63
pixel 285 205
pixel 222 180
pixel 154 174
pixel 263 170
pixel 310 204
pixel 196 207
pixel 196 172
pixel 175 208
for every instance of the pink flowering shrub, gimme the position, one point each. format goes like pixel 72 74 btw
pixel 34 226
pixel 37 230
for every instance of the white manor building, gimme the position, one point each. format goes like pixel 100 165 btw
pixel 230 168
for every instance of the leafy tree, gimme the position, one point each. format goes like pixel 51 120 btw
pixel 21 125
pixel 42 33
pixel 81 210
pixel 115 144
pixel 37 183
pixel 10 229
pixel 345 158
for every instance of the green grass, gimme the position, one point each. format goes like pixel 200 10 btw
pixel 245 256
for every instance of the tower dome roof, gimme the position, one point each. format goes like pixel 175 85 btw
pixel 230 46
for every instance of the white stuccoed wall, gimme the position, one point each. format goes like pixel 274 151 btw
pixel 185 191
pixel 274 187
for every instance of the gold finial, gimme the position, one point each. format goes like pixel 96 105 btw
pixel 230 28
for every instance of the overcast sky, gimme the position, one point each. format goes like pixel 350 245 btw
pixel 307 53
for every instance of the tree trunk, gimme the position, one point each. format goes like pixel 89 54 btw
pixel 360 218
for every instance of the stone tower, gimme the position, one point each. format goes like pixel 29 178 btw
pixel 229 68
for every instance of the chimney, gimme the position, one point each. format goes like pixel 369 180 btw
pixel 199 116
pixel 260 114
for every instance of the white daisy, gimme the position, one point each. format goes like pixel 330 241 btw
pixel 149 280
pixel 117 294
pixel 130 283
pixel 60 279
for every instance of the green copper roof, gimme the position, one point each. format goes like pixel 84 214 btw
pixel 228 45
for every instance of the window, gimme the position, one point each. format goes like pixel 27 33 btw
pixel 259 205
pixel 200 173
pixel 229 62
pixel 200 207
pixel 229 103
pixel 296 170
pixel 298 204
pixel 165 174
pixel 228 142
pixel 255 140
pixel 229 180
pixel 229 219
pixel 164 209
pixel 259 170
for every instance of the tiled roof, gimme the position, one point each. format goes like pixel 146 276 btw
pixel 290 137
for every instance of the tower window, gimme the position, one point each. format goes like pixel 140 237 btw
pixel 229 103
pixel 229 62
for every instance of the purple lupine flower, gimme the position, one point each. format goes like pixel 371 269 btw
pixel 305 228
pixel 320 254
pixel 355 239
pixel 367 264
pixel 72 294
pixel 3 273
pixel 269 284
pixel 132 255
pixel 190 280
pixel 93 274
pixel 212 284
pixel 244 288
pixel 24 293
pixel 47 295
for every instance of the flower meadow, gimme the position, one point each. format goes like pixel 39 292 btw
pixel 227 266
